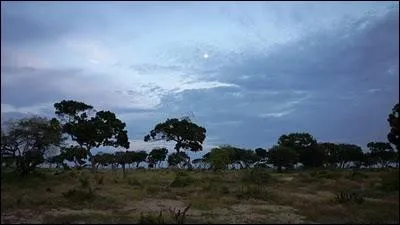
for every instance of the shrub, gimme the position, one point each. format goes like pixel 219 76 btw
pixel 151 219
pixel 390 181
pixel 179 216
pixel 257 176
pixel 79 195
pixel 349 197
pixel 99 179
pixel 135 182
pixel 251 191
pixel 85 183
pixel 182 179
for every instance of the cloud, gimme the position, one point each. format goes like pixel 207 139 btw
pixel 277 114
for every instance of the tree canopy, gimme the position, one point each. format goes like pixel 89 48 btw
pixel 185 133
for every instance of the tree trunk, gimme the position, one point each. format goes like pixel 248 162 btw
pixel 123 170
pixel 279 169
pixel 137 164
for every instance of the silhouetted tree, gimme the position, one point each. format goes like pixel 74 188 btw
pixel 157 155
pixel 382 152
pixel 282 156
pixel 394 122
pixel 310 155
pixel 25 142
pixel 102 129
pixel 186 134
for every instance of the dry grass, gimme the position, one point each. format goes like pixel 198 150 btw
pixel 225 196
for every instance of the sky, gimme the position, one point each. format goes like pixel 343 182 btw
pixel 246 71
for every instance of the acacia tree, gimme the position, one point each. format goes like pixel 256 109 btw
pixel 382 152
pixel 310 155
pixel 185 133
pixel 102 129
pixel 282 156
pixel 178 159
pixel 27 140
pixel 157 155
pixel 74 154
pixel 394 122
pixel 261 154
pixel 331 151
pixel 349 153
pixel 220 158
pixel 139 157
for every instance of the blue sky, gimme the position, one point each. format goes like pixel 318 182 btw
pixel 247 71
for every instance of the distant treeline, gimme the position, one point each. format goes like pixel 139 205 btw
pixel 79 128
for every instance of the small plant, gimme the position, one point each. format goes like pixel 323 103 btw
pixel 357 175
pixel 182 179
pixel 84 182
pixel 253 191
pixel 79 195
pixel 135 182
pixel 151 219
pixel 179 216
pixel 349 197
pixel 99 179
pixel 390 181
pixel 257 176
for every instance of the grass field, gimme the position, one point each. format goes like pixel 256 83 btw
pixel 235 196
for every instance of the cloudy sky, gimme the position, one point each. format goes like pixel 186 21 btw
pixel 247 71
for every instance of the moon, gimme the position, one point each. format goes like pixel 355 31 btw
pixel 205 55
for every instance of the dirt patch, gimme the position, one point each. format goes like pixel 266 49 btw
pixel 286 178
pixel 21 216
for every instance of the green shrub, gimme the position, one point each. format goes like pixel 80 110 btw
pixel 135 182
pixel 390 181
pixel 256 176
pixel 325 174
pixel 151 219
pixel 253 191
pixel 344 197
pixel 99 179
pixel 84 180
pixel 79 195
pixel 182 179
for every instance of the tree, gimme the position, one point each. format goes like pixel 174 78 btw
pixel 220 158
pixel 394 122
pixel 178 159
pixel 331 152
pixel 261 154
pixel 382 152
pixel 282 156
pixel 139 157
pixel 157 155
pixel 349 153
pixel 74 154
pixel 103 129
pixel 186 134
pixel 306 147
pixel 122 159
pixel 26 141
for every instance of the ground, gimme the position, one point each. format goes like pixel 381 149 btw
pixel 79 196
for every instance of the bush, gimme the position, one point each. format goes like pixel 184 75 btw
pixel 85 183
pixel 250 191
pixel 257 176
pixel 79 195
pixel 182 179
pixel 344 197
pixel 357 175
pixel 151 219
pixel 390 181
pixel 99 179
pixel 135 182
